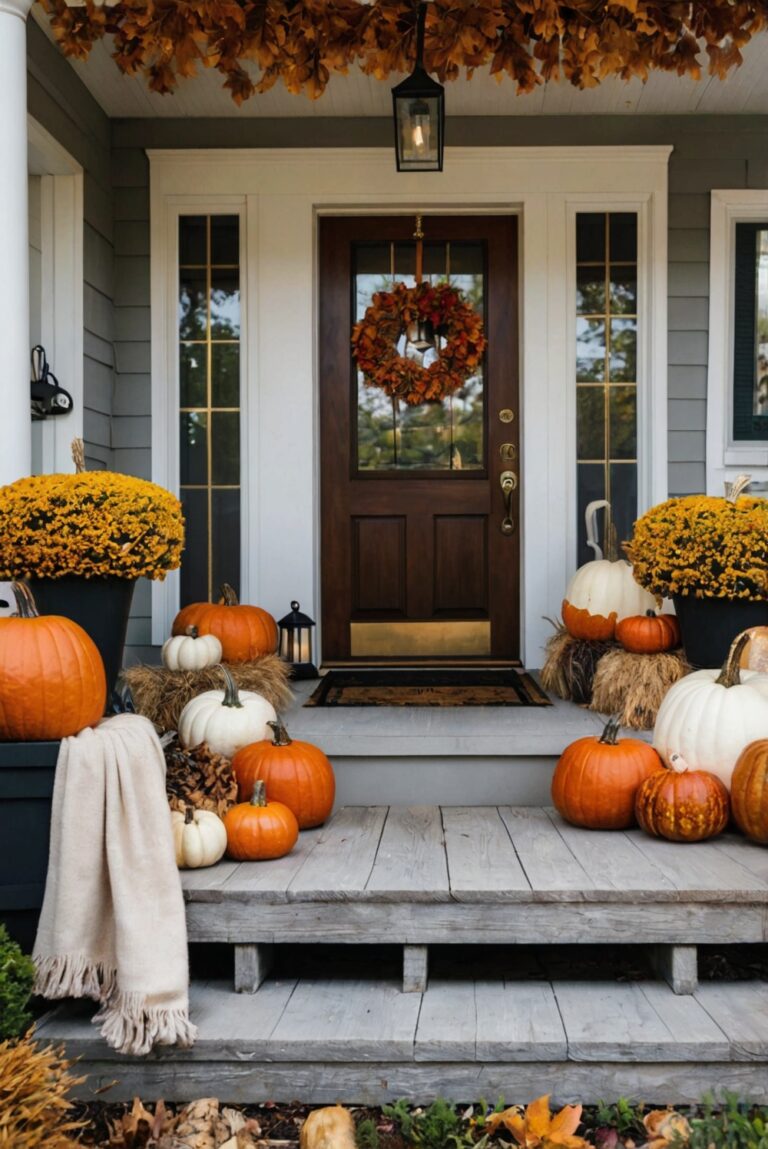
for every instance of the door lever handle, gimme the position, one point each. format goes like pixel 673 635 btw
pixel 508 481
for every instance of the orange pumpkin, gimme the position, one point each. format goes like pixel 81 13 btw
pixel 245 632
pixel 52 680
pixel 683 806
pixel 755 653
pixel 595 779
pixel 749 791
pixel 258 830
pixel 297 774
pixel 648 633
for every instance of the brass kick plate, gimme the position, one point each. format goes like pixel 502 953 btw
pixel 419 639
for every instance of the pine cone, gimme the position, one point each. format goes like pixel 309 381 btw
pixel 199 778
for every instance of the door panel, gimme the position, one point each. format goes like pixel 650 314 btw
pixel 414 561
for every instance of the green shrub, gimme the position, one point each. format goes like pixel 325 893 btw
pixel 17 976
pixel 729 1124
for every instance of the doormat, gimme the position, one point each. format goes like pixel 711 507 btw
pixel 428 688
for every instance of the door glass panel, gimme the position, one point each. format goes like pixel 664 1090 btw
pixel 443 436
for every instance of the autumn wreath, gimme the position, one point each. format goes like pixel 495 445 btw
pixel 375 342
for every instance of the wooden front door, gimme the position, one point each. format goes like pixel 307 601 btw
pixel 417 559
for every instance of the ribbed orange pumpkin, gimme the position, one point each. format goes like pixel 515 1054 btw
pixel 297 774
pixel 648 633
pixel 259 830
pixel 595 780
pixel 749 791
pixel 683 806
pixel 52 680
pixel 245 632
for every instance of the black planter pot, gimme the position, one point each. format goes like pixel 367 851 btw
pixel 100 605
pixel 709 626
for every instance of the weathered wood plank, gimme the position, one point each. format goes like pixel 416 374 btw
pixel 678 965
pixel 252 965
pixel 447 1022
pixel 347 1020
pixel 415 968
pixel 549 865
pixel 613 861
pixel 518 1021
pixel 206 884
pixel 740 1009
pixel 482 863
pixel 700 869
pixel 607 1021
pixel 339 865
pixel 410 863
pixel 268 881
pixel 748 854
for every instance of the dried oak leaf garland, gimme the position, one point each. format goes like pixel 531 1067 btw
pixel 255 43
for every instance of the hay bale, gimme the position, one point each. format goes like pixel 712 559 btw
pixel 161 695
pixel 570 665
pixel 632 686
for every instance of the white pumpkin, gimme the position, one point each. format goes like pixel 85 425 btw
pixel 199 838
pixel 599 595
pixel 191 651
pixel 707 718
pixel 226 719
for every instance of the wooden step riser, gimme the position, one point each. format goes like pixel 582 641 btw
pixel 433 779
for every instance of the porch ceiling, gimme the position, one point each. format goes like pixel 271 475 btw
pixel 745 91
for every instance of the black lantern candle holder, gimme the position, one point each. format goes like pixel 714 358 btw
pixel 295 642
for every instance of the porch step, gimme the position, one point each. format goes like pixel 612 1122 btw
pixel 365 1042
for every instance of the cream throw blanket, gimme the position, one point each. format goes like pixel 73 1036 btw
pixel 112 925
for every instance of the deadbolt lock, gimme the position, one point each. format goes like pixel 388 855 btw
pixel 508 452
pixel 506 415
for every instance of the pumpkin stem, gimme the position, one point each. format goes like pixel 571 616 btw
pixel 611 539
pixel 729 675
pixel 25 601
pixel 650 614
pixel 259 793
pixel 227 595
pixel 231 693
pixel 78 456
pixel 192 632
pixel 736 488
pixel 610 735
pixel 281 735
pixel 189 815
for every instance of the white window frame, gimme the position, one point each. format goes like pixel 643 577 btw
pixel 727 457
pixel 285 190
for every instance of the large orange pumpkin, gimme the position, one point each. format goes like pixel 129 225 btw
pixel 682 805
pixel 245 632
pixel 595 779
pixel 648 633
pixel 258 830
pixel 749 791
pixel 297 774
pixel 52 680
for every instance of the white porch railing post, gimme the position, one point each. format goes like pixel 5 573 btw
pixel 15 433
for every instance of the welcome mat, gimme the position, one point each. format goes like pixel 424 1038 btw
pixel 506 687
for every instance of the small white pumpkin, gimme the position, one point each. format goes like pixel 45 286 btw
pixel 199 838
pixel 707 718
pixel 226 719
pixel 191 651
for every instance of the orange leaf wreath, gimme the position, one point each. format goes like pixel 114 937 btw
pixel 376 336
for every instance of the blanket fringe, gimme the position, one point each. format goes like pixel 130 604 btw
pixel 130 1026
pixel 73 975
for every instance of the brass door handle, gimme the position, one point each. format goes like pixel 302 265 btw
pixel 508 480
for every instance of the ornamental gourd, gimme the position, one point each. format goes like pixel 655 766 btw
pixel 191 651
pixel 295 773
pixel 245 632
pixel 52 680
pixel 749 791
pixel 682 805
pixel 259 830
pixel 596 779
pixel 227 720
pixel 199 838
pixel 648 633
pixel 709 716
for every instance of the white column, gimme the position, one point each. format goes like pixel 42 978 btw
pixel 15 426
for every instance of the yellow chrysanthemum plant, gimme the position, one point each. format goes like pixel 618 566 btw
pixel 92 524
pixel 704 547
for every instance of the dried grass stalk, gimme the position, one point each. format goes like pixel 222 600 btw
pixel 632 686
pixel 570 666
pixel 34 1108
pixel 162 694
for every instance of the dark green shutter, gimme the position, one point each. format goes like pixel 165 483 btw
pixel 746 425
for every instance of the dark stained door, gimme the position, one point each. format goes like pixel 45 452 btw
pixel 417 561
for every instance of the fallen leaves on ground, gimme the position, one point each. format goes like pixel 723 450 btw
pixel 202 1124
pixel 536 1128
pixel 666 1127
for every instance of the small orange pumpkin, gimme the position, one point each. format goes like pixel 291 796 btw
pixel 245 632
pixel 648 633
pixel 52 680
pixel 297 774
pixel 258 830
pixel 595 779
pixel 682 805
pixel 749 791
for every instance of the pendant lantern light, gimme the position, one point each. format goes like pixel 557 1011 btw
pixel 419 112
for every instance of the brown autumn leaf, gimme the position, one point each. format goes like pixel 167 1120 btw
pixel 666 1127
pixel 537 1128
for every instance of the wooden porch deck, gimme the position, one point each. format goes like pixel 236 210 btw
pixel 421 876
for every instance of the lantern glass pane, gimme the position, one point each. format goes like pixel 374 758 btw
pixel 418 132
